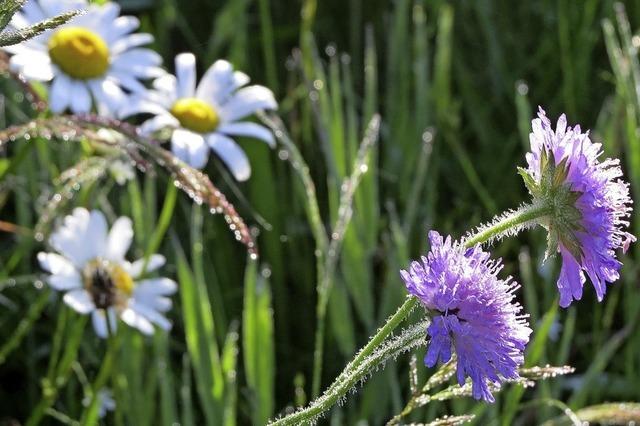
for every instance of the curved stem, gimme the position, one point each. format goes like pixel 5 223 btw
pixel 524 216
pixel 412 337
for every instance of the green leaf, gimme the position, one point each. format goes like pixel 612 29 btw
pixel 257 328
pixel 229 367
pixel 529 182
pixel 201 345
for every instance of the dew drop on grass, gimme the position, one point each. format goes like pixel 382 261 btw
pixel 330 50
pixel 266 272
pixel 522 88
pixel 283 155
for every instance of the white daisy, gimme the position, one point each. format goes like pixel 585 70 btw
pixel 91 269
pixel 89 60
pixel 205 116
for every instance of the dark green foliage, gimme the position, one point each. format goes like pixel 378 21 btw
pixel 455 83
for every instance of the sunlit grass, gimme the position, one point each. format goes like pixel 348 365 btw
pixel 455 84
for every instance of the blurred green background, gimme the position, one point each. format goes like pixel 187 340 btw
pixel 456 84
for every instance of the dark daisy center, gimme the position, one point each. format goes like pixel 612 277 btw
pixel 107 283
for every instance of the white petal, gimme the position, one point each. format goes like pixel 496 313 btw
pixel 25 57
pixel 56 7
pixel 66 239
pixel 158 303
pixel 36 70
pixel 33 12
pixel 189 147
pixel 248 129
pixel 167 84
pixel 120 26
pixel 29 47
pixel 186 74
pixel 240 79
pixel 81 237
pixel 99 320
pixel 80 97
pixel 96 235
pixel 18 20
pixel 246 101
pixel 136 320
pixel 231 154
pixel 130 41
pixel 80 301
pixel 155 261
pixel 108 12
pixel 133 58
pixel 64 274
pixel 56 264
pixel 150 314
pixel 108 95
pixel 64 282
pixel 127 81
pixel 139 105
pixel 156 286
pixel 158 122
pixel 219 82
pixel 60 93
pixel 119 239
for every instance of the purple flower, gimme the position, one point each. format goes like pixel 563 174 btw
pixel 474 313
pixel 591 205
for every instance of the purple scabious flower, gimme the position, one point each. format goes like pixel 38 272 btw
pixel 474 313
pixel 590 202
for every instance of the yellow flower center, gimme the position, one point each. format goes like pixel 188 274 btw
pixel 79 52
pixel 107 282
pixel 196 115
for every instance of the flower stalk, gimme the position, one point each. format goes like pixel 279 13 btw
pixel 507 224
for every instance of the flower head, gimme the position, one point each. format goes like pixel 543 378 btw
pixel 91 269
pixel 207 116
pixel 590 205
pixel 89 60
pixel 474 313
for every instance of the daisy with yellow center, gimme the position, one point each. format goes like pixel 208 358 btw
pixel 89 266
pixel 93 60
pixel 207 116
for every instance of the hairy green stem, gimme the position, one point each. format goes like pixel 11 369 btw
pixel 412 337
pixel 516 220
pixel 529 214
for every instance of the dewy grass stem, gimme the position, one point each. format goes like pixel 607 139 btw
pixel 518 219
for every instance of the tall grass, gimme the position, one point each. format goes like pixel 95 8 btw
pixel 335 218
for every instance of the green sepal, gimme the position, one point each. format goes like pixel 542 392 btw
pixel 529 182
pixel 554 191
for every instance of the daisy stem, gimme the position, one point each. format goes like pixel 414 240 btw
pixel 163 223
pixel 507 222
pixel 90 415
